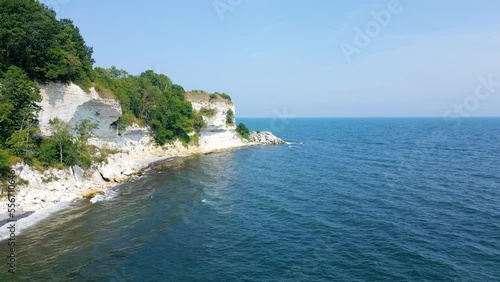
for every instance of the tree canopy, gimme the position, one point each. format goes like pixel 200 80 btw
pixel 37 47
pixel 151 99
pixel 32 39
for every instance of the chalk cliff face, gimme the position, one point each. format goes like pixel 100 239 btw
pixel 71 104
pixel 218 134
pixel 136 148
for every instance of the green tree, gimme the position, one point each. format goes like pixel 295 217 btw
pixel 61 135
pixel 178 91
pixel 18 99
pixel 110 73
pixel 47 49
pixel 6 109
pixel 27 36
pixel 159 80
pixel 22 143
pixel 85 129
pixel 49 152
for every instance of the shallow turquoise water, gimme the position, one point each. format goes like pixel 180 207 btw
pixel 349 199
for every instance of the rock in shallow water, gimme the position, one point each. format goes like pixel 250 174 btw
pixel 265 137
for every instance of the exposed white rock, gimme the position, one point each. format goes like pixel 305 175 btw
pixel 217 122
pixel 218 134
pixel 265 138
pixel 128 172
pixel 136 146
pixel 71 104
pixel 78 173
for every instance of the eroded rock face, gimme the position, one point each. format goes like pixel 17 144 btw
pixel 71 104
pixel 218 134
pixel 217 122
pixel 136 147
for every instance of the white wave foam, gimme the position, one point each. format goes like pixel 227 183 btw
pixel 31 220
pixel 106 196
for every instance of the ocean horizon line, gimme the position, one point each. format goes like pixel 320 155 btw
pixel 370 117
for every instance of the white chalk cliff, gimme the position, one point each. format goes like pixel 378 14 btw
pixel 136 147
pixel 71 104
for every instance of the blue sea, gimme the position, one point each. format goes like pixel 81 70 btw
pixel 410 199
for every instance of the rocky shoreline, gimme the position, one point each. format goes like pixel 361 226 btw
pixel 125 154
pixel 51 187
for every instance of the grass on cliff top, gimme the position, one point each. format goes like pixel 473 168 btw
pixel 103 91
pixel 202 96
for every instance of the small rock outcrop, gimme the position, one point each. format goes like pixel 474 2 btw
pixel 265 138
pixel 219 133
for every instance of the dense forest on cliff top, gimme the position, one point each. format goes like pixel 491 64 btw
pixel 36 47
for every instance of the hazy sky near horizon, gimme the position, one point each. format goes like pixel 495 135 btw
pixel 308 58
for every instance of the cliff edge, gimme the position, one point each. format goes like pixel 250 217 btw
pixel 130 151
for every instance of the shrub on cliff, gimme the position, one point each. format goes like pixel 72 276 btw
pixel 230 117
pixel 242 129
pixel 207 112
pixel 224 96
pixel 217 94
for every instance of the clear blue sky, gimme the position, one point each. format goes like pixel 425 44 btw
pixel 285 57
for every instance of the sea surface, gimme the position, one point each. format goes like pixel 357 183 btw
pixel 413 199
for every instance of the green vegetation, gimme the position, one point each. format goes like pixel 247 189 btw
pixel 61 149
pixel 242 129
pixel 100 155
pixel 216 95
pixel 37 47
pixel 230 117
pixel 61 135
pixel 151 99
pixel 223 95
pixel 18 113
pixel 32 39
pixel 207 112
pixel 85 129
pixel 5 163
pixel 195 139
